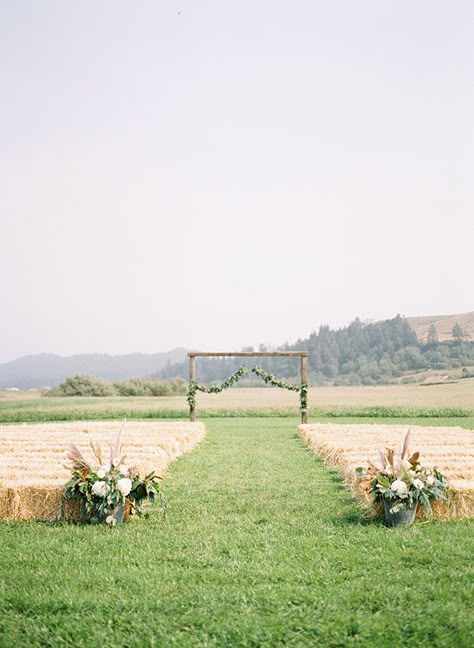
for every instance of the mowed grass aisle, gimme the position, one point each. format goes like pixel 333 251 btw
pixel 261 546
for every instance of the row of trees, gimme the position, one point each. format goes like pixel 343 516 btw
pixel 457 333
pixel 368 354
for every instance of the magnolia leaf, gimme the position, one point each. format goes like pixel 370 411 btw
pixel 413 460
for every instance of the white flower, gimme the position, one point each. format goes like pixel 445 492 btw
pixel 100 488
pixel 123 470
pixel 101 472
pixel 124 485
pixel 418 484
pixel 430 480
pixel 399 487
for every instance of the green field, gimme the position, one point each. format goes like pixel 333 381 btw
pixel 261 546
pixel 452 399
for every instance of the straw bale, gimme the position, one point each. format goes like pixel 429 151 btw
pixel 451 450
pixel 34 466
pixel 4 507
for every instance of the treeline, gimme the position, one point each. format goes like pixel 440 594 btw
pixel 367 354
pixel 80 385
pixel 379 353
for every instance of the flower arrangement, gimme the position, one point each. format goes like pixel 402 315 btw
pixel 108 490
pixel 400 482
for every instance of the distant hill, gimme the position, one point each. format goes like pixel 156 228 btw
pixel 367 353
pixel 47 369
pixel 363 352
pixel 443 324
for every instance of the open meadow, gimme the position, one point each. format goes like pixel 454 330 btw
pixel 452 399
pixel 261 543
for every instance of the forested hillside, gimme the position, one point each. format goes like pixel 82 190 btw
pixel 360 353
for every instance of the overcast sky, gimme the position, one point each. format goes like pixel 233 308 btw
pixel 212 174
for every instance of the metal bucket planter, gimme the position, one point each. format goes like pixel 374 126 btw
pixel 404 517
pixel 122 514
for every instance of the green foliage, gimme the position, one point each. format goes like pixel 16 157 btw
pixel 262 546
pixel 268 379
pixel 367 354
pixel 443 416
pixel 80 385
pixel 432 337
pixel 105 488
pixel 150 387
pixel 400 480
pixel 458 333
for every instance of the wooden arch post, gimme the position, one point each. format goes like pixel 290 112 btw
pixel 304 385
pixel 246 354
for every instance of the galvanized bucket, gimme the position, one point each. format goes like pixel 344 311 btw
pixel 404 517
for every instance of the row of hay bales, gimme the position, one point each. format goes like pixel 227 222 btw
pixel 451 450
pixel 34 466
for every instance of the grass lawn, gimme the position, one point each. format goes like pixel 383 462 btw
pixel 261 546
pixel 435 401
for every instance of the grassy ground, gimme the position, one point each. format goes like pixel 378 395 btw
pixel 455 399
pixel 261 546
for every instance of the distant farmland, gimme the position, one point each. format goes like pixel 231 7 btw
pixel 334 401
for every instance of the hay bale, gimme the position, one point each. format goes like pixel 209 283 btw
pixel 4 505
pixel 451 450
pixel 34 466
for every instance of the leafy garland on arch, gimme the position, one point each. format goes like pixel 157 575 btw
pixel 267 378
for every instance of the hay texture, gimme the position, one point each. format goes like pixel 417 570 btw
pixel 34 466
pixel 451 450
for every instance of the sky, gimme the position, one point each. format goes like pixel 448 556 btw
pixel 220 174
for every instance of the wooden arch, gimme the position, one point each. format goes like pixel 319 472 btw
pixel 245 354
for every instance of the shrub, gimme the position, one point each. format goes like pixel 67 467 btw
pixel 80 385
pixel 150 387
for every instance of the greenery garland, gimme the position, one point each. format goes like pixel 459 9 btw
pixel 267 378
